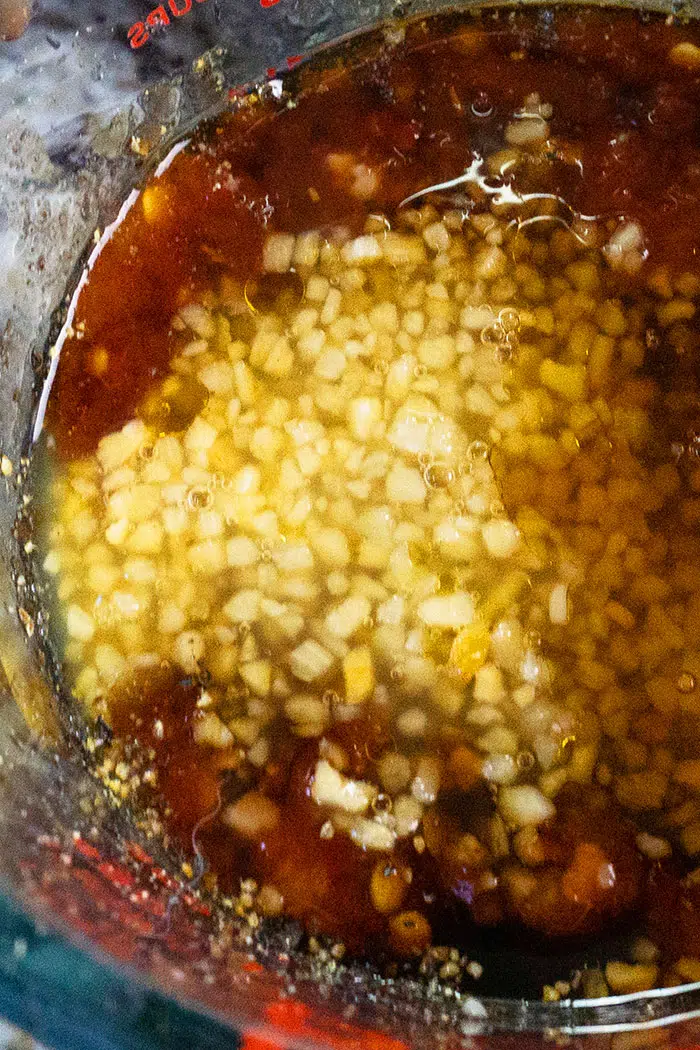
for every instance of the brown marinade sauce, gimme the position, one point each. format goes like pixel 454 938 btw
pixel 625 123
pixel 626 143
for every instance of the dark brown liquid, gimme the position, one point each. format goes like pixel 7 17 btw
pixel 325 883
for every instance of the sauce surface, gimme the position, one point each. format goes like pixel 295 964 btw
pixel 622 145
pixel 375 507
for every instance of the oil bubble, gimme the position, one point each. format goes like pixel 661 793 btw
pixel 481 106
pixel 493 334
pixel 438 475
pixel 685 683
pixel 509 319
pixel 478 450
pixel 382 803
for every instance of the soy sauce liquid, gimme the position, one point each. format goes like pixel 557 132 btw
pixel 626 145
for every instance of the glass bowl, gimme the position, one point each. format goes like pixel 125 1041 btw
pixel 100 945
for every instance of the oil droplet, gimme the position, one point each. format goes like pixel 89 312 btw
pixel 481 106
pixel 685 683
pixel 382 803
pixel 478 450
pixel 493 334
pixel 509 319
pixel 438 476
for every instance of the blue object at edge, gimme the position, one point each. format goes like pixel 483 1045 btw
pixel 70 1001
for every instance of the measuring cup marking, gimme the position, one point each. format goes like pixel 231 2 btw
pixel 140 32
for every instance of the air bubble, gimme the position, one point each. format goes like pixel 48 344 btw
pixel 382 803
pixel 493 335
pixel 438 476
pixel 685 683
pixel 481 106
pixel 509 319
pixel 478 450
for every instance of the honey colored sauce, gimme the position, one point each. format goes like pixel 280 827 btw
pixel 414 116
